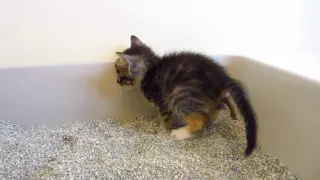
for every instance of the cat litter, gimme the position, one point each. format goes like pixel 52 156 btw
pixel 131 149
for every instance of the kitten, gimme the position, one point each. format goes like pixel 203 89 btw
pixel 186 85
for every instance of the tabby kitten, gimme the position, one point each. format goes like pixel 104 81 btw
pixel 186 85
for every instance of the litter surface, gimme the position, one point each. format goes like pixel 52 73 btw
pixel 131 149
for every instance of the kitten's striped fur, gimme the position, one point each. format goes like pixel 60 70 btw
pixel 187 85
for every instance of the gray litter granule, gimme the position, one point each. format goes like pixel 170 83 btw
pixel 135 149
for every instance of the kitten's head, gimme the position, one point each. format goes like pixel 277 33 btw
pixel 133 63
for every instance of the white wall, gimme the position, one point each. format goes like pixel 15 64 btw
pixel 41 32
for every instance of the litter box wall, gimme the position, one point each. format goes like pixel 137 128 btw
pixel 286 104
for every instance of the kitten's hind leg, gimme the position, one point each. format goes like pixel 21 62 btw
pixel 195 122
pixel 215 114
pixel 233 112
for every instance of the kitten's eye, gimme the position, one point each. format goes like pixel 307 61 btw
pixel 118 71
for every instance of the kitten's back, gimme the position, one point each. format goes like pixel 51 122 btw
pixel 181 67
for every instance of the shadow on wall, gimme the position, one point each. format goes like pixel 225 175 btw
pixel 60 94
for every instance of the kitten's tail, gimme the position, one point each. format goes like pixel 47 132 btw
pixel 242 101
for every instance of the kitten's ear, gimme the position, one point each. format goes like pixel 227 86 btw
pixel 126 60
pixel 135 42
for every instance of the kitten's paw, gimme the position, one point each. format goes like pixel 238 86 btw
pixel 166 121
pixel 180 134
pixel 234 116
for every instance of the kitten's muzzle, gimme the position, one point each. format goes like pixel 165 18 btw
pixel 124 80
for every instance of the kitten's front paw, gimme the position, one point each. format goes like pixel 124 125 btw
pixel 166 121
pixel 180 134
